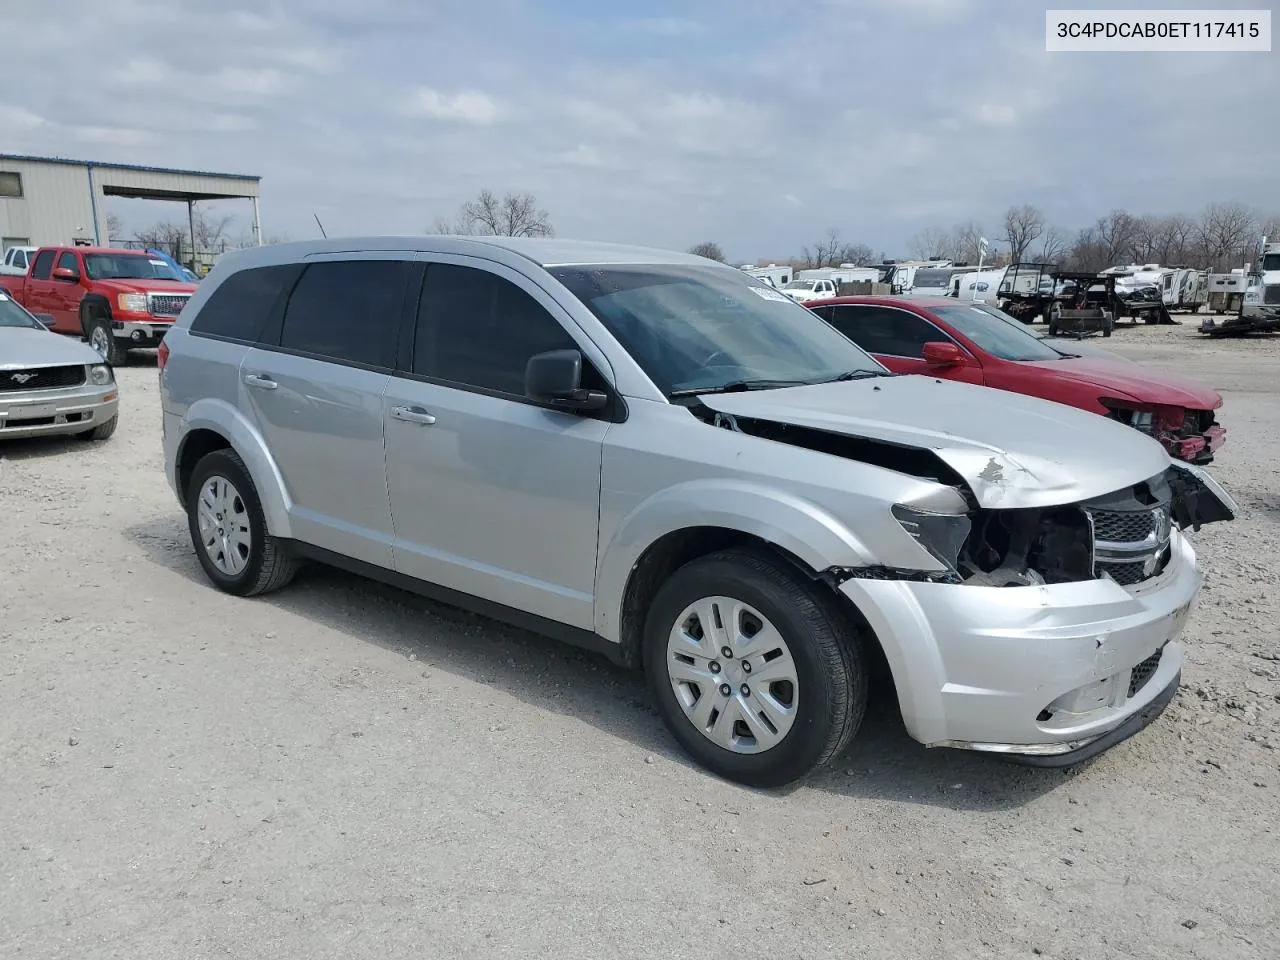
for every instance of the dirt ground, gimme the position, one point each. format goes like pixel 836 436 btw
pixel 343 770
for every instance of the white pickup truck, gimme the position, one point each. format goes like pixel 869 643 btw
pixel 16 260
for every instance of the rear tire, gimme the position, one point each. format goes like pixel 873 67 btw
pixel 229 530
pixel 102 431
pixel 796 682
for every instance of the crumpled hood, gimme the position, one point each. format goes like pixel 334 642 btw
pixel 23 347
pixel 1116 377
pixel 1013 451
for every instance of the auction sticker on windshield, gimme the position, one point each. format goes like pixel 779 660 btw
pixel 768 293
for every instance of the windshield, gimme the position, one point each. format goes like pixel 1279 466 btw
pixel 705 328
pixel 125 266
pixel 932 278
pixel 801 285
pixel 12 315
pixel 996 332
pixel 1271 262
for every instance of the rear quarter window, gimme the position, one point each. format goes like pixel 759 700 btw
pixel 239 308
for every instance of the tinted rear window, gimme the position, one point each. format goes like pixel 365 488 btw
pixel 239 308
pixel 348 310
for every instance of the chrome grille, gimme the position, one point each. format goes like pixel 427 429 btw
pixel 1143 672
pixel 1122 527
pixel 167 304
pixel 41 378
pixel 1131 546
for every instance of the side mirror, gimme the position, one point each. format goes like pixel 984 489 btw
pixel 555 377
pixel 65 273
pixel 942 354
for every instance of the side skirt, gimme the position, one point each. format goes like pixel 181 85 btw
pixel 575 636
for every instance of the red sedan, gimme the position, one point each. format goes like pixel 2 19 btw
pixel 976 343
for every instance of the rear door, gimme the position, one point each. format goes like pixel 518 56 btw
pixel 896 338
pixel 315 384
pixel 492 494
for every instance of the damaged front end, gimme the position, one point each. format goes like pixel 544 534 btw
pixel 1124 536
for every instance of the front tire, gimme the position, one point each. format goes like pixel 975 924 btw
pixel 229 530
pixel 102 431
pixel 109 348
pixel 757 673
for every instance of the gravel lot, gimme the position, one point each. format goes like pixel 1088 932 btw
pixel 343 770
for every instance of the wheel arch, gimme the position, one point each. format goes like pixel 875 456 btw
pixel 215 425
pixel 93 304
pixel 684 523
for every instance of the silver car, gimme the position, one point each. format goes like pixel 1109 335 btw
pixel 51 385
pixel 667 460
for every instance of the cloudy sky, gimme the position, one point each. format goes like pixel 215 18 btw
pixel 757 123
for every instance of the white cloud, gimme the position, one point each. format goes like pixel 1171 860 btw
pixel 469 106
pixel 259 81
pixel 19 118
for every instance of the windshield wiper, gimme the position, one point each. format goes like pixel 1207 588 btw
pixel 857 375
pixel 737 386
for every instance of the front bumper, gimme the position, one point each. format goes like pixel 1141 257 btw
pixel 42 413
pixel 1031 671
pixel 141 333
pixel 1199 448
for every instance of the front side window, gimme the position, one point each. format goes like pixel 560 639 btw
pixel 1270 261
pixel 887 330
pixel 126 266
pixel 67 261
pixel 995 332
pixel 347 310
pixel 695 328
pixel 477 329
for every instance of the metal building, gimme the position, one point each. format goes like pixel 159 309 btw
pixel 49 201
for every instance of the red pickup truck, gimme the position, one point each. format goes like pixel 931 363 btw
pixel 118 300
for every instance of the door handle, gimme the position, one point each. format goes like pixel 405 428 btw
pixel 260 381
pixel 413 415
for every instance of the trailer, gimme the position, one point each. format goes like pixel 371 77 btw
pixel 1183 288
pixel 1226 291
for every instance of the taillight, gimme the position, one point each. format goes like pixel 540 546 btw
pixel 162 355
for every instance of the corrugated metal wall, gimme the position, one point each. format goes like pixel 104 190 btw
pixel 58 205
pixel 54 207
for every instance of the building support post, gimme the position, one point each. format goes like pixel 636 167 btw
pixel 191 222
pixel 257 223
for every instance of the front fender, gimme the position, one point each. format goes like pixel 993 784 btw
pixel 224 419
pixel 796 525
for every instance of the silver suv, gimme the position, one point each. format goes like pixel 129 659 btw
pixel 665 459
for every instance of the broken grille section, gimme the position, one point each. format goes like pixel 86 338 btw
pixel 1143 672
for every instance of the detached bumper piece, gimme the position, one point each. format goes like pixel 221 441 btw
pixel 1087 750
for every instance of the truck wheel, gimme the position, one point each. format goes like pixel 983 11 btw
pixel 102 431
pixel 98 330
pixel 756 673
pixel 229 530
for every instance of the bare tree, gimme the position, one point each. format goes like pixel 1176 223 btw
pixel 931 242
pixel 1145 242
pixel 824 253
pixel 1053 246
pixel 1022 226
pixel 1089 252
pixel 1114 235
pixel 709 249
pixel 513 215
pixel 1175 240
pixel 115 228
pixel 1225 231
pixel 859 254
